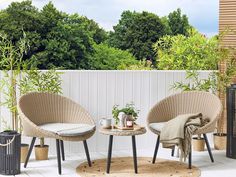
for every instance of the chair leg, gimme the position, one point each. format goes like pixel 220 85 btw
pixel 29 152
pixel 87 153
pixel 156 149
pixel 62 150
pixel 173 151
pixel 58 156
pixel 190 158
pixel 208 147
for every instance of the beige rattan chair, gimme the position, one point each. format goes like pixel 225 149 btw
pixel 39 109
pixel 182 103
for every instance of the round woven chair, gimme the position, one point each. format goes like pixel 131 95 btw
pixel 53 116
pixel 184 103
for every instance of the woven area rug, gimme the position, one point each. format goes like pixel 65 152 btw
pixel 123 167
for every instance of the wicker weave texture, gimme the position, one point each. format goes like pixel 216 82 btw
pixel 187 102
pixel 41 108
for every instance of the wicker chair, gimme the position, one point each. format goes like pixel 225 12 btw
pixel 37 109
pixel 182 103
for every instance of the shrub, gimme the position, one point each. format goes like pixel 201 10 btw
pixel 195 52
pixel 109 58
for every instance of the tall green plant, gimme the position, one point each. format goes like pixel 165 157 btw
pixel 11 62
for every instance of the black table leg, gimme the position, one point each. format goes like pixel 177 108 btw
pixel 134 154
pixel 109 153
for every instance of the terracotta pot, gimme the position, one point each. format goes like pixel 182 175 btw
pixel 198 144
pixel 23 151
pixel 220 141
pixel 41 152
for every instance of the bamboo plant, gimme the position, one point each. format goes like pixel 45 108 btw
pixel 224 79
pixel 11 62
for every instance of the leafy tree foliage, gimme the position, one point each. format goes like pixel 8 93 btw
pixel 56 39
pixel 180 52
pixel 141 65
pixel 178 23
pixel 60 40
pixel 109 58
pixel 137 32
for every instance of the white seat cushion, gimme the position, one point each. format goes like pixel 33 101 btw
pixel 68 129
pixel 156 127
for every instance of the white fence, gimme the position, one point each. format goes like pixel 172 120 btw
pixel 98 91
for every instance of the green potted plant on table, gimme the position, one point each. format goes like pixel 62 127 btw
pixel 41 81
pixel 125 117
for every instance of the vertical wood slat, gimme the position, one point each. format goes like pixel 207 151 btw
pixel 227 26
pixel 98 91
pixel 227 22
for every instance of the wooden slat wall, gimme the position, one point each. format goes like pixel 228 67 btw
pixel 227 22
pixel 227 27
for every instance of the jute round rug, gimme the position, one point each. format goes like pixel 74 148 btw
pixel 123 167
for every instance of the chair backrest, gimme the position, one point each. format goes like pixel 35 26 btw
pixel 186 102
pixel 41 108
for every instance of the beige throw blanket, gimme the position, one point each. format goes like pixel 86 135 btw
pixel 179 131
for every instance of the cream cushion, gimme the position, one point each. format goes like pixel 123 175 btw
pixel 156 127
pixel 68 129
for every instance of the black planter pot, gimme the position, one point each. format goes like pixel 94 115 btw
pixel 231 122
pixel 10 147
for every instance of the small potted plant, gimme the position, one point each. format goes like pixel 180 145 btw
pixel 198 143
pixel 41 150
pixel 125 117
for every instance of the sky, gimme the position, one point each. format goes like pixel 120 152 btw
pixel 202 14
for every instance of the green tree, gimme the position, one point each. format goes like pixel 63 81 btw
pixel 67 46
pixel 56 39
pixel 178 23
pixel 180 52
pixel 99 35
pixel 136 32
pixel 109 58
pixel 21 17
pixel 167 28
pixel 49 17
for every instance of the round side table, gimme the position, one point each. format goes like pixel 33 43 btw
pixel 118 132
